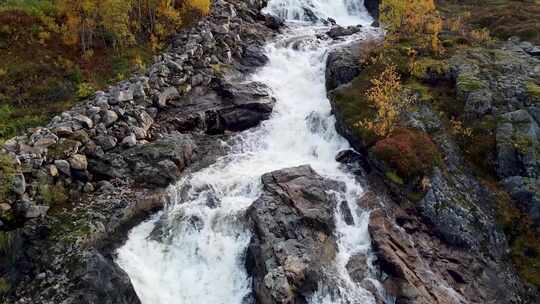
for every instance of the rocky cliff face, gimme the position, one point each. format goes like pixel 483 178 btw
pixel 446 246
pixel 99 168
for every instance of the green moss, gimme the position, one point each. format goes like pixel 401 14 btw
pixel 394 178
pixel 522 144
pixel 480 148
pixel 523 240
pixel 423 91
pixel 53 194
pixel 7 173
pixel 6 240
pixel 430 69
pixel 469 83
pixel 415 196
pixel 58 150
pixel 351 102
pixel 533 90
pixel 4 286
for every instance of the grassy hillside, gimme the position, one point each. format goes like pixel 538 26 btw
pixel 54 53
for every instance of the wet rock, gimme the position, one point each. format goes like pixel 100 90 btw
pixel 357 267
pixel 156 164
pixel 339 31
pixel 354 161
pixel 293 243
pixel 342 65
pixel 372 7
pixel 101 281
pixel 254 57
pixel 273 22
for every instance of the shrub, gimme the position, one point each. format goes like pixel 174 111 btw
pixel 416 20
pixel 7 173
pixel 53 194
pixel 85 90
pixel 389 99
pixel 408 153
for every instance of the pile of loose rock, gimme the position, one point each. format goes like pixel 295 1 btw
pixel 116 120
pixel 116 153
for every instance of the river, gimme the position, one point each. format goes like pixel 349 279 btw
pixel 199 255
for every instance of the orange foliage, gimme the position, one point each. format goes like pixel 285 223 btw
pixel 411 153
pixel 416 20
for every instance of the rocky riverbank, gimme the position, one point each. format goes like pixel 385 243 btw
pixel 437 233
pixel 93 172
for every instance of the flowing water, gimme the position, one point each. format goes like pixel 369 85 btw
pixel 198 255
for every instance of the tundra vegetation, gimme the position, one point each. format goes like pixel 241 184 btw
pixel 409 69
pixel 56 52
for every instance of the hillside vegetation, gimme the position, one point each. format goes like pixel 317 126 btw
pixel 56 52
pixel 411 68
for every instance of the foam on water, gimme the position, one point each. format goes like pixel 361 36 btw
pixel 193 252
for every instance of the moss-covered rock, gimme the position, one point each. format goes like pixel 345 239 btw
pixel 533 91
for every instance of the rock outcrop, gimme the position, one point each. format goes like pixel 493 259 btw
pixel 372 7
pixel 293 243
pixel 438 239
pixel 343 65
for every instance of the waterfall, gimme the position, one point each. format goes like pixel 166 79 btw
pixel 193 252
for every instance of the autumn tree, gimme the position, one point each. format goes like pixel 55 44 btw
pixel 389 99
pixel 415 20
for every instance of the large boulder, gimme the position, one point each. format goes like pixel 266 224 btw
pixel 372 7
pixel 293 243
pixel 420 269
pixel 101 281
pixel 159 163
pixel 342 65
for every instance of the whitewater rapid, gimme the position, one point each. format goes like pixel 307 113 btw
pixel 198 253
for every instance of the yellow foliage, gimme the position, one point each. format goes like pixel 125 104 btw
pixel 480 36
pixel 416 20
pixel 389 98
pixel 202 6
pixel 458 129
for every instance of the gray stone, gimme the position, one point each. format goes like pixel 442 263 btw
pixel 88 188
pixel 19 184
pixel 169 94
pixel 121 96
pixel 109 117
pixel 85 121
pixel 342 65
pixel 78 162
pixel 293 246
pixel 129 141
pixel 106 142
pixel 63 166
